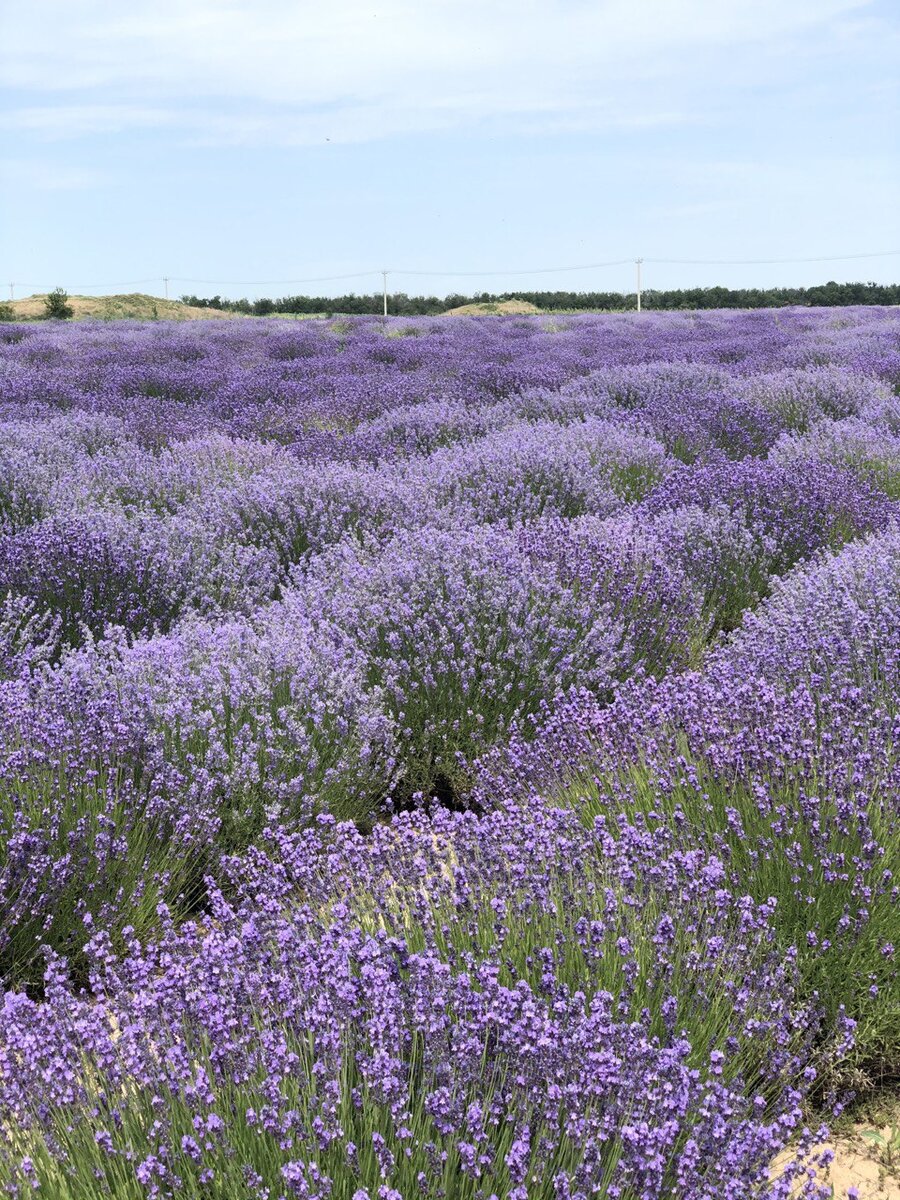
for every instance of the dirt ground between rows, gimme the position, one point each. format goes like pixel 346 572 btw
pixel 861 1162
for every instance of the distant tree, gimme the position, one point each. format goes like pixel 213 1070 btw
pixel 7 312
pixel 57 307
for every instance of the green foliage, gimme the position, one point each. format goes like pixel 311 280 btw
pixel 57 307
pixel 888 1146
pixel 7 312
pixel 841 963
pixel 400 304
pixel 103 804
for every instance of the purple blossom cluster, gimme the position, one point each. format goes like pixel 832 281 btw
pixel 446 758
pixel 395 1030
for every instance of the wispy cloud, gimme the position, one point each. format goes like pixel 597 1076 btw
pixel 76 120
pixel 34 175
pixel 297 73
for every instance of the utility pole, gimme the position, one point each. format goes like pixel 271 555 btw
pixel 166 282
pixel 11 296
pixel 384 276
pixel 637 263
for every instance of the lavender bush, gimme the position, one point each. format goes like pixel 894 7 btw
pixel 464 633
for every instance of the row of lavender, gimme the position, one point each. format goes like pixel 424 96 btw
pixel 261 577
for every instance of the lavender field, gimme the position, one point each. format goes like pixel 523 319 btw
pixel 450 759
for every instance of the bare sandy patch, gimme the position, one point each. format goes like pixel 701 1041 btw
pixel 498 308
pixel 135 306
pixel 866 1157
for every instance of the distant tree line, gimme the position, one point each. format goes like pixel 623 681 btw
pixel 825 295
pixel 399 304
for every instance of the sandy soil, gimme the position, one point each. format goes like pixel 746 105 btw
pixel 861 1162
pixel 135 306
pixel 502 308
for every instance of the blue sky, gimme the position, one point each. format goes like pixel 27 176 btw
pixel 223 141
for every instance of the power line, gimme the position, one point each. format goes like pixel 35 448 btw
pixel 271 282
pixel 212 282
pixel 759 262
pixel 613 262
pixel 88 286
pixel 616 262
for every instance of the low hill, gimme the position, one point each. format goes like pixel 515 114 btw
pixel 136 307
pixel 494 308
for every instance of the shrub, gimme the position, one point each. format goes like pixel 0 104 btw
pixel 465 633
pixel 56 306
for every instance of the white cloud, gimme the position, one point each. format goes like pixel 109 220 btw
pixel 299 71
pixel 77 119
pixel 33 175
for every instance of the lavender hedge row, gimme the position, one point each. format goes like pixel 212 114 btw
pixel 446 758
